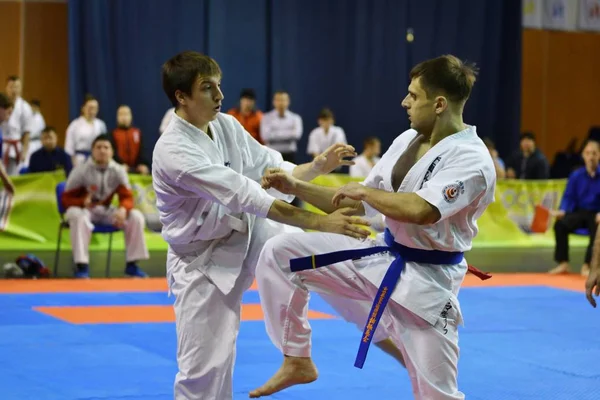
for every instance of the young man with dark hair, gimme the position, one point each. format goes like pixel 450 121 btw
pixel 50 157
pixel 431 185
pixel 216 217
pixel 88 197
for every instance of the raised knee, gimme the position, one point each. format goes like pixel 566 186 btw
pixel 136 217
pixel 276 253
pixel 75 213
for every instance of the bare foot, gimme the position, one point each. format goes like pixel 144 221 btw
pixel 561 268
pixel 293 371
pixel 585 270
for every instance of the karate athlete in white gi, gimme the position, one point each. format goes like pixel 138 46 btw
pixel 206 171
pixel 432 184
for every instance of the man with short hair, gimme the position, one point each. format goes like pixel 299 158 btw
pixel 17 128
pixel 579 208
pixel 88 197
pixel 432 185
pixel 216 218
pixel 247 114
pixel 280 128
pixel 50 157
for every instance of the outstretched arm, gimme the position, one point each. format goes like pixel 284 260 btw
pixel 319 196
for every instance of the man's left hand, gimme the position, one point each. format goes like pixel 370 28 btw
pixel 334 157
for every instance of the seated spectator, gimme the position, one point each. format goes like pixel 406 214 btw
pixel 364 163
pixel 498 162
pixel 88 196
pixel 128 143
pixel 579 208
pixel 247 114
pixel 326 135
pixel 529 162
pixel 50 157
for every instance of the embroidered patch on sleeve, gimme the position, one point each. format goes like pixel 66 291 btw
pixel 452 191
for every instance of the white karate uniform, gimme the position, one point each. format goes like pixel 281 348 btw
pixel 461 185
pixel 362 167
pixel 35 143
pixel 80 136
pixel 212 209
pixel 20 121
pixel 319 141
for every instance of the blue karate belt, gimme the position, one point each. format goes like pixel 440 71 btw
pixel 402 255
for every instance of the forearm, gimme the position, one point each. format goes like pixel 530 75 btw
pixel 305 172
pixel 285 213
pixel 402 207
pixel 321 197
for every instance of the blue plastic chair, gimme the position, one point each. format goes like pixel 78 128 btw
pixel 23 171
pixel 582 232
pixel 98 228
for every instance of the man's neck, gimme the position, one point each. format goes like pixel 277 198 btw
pixel 442 131
pixel 202 125
pixel 592 170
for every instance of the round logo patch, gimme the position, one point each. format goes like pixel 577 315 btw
pixel 452 191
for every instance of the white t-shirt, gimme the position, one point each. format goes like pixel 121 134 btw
pixel 319 141
pixel 362 167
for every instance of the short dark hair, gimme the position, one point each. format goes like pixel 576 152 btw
pixel 489 143
pixel 5 102
pixel 527 135
pixel 48 129
pixel 588 141
pixel 448 75
pixel 326 113
pixel 181 71
pixel 12 78
pixel 369 141
pixel 36 102
pixel 102 138
pixel 248 94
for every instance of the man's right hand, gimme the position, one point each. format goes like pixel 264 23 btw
pixel 558 214
pixel 279 180
pixel 341 221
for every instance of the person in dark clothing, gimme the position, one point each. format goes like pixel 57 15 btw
pixel 50 157
pixel 127 142
pixel 567 161
pixel 529 162
pixel 579 208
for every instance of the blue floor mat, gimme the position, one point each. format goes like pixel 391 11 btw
pixel 518 343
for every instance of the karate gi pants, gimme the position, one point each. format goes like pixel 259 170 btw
pixel 81 224
pixel 430 354
pixel 208 321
